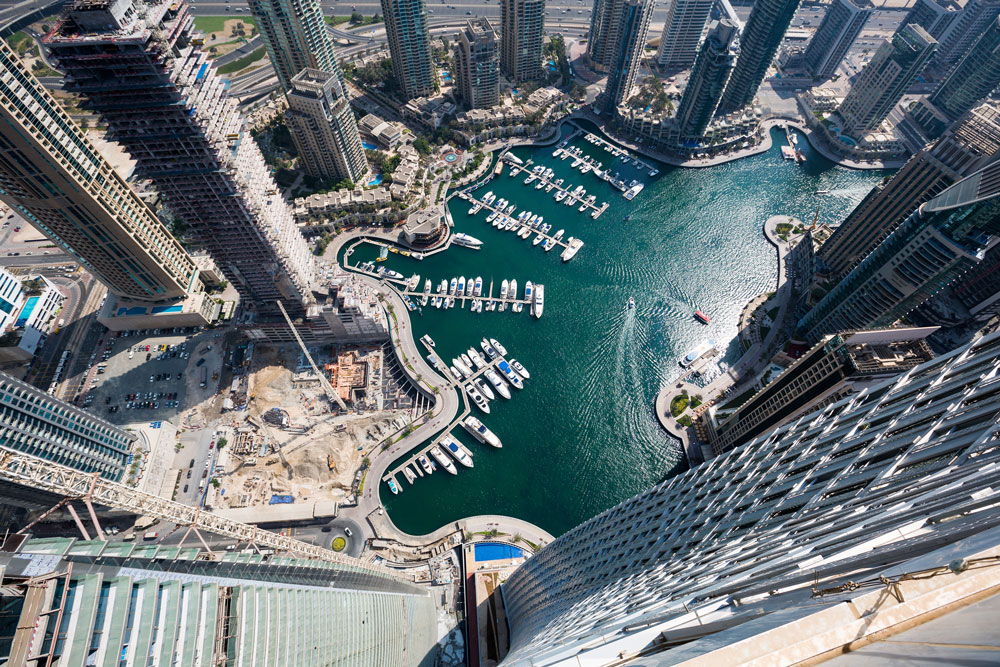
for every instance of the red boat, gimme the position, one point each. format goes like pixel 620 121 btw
pixel 702 317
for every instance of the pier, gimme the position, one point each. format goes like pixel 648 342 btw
pixel 534 232
pixel 517 169
pixel 618 152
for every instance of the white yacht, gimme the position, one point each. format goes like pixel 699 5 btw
pixel 480 432
pixel 478 289
pixel 520 369
pixel 461 286
pixel 558 235
pixel 538 239
pixel 512 290
pixel 452 286
pixel 538 303
pixel 484 389
pixel 477 398
pixel 463 369
pixel 633 191
pixel 425 464
pixel 527 291
pixel 476 359
pixel 409 475
pixel 572 248
pixel 466 241
pixel 498 383
pixel 503 289
pixel 498 347
pixel 427 286
pixel 468 362
pixel 512 377
pixel 470 285
pixel 443 459
pixel 488 349
pixel 457 450
pixel 560 195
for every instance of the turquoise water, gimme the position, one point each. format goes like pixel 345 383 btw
pixel 582 435
pixel 493 551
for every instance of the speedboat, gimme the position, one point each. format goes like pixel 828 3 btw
pixel 498 383
pixel 480 432
pixel 393 487
pixel 573 246
pixel 527 291
pixel 631 303
pixel 425 464
pixel 458 451
pixel 488 349
pixel 467 361
pixel 512 290
pixel 476 359
pixel 548 245
pixel 633 191
pixel 498 347
pixel 453 286
pixel 443 287
pixel 539 222
pixel 558 235
pixel 469 286
pixel 538 239
pixel 512 377
pixel 484 389
pixel 561 195
pixel 503 289
pixel 478 289
pixel 463 369
pixel 409 474
pixel 477 398
pixel 461 286
pixel 521 370
pixel 445 462
pixel 466 241
pixel 539 301
pixel 492 216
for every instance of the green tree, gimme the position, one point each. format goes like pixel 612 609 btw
pixel 422 146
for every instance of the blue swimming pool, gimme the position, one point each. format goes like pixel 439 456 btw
pixel 376 181
pixel 369 146
pixel 493 551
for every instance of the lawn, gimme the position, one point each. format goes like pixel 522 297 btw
pixel 207 24
pixel 240 63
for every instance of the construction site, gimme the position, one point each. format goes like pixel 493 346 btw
pixel 304 436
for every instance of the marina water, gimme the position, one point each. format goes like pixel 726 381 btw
pixel 582 435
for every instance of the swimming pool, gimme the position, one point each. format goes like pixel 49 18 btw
pixel 494 551
pixel 369 146
pixel 376 181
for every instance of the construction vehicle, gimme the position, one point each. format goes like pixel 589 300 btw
pixel 330 463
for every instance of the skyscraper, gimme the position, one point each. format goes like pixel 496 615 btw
pixel 409 46
pixel 836 367
pixel 936 244
pixel 632 31
pixel 522 23
pixel 477 62
pixel 970 143
pixel 885 79
pixel 53 176
pixel 934 16
pixel 837 32
pixel 168 108
pixel 323 127
pixel 961 34
pixel 32 422
pixel 132 602
pixel 682 30
pixel 708 78
pixel 296 37
pixel 761 37
pixel 971 80
pixel 709 565
pixel 603 38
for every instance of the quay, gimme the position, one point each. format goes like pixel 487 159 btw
pixel 517 169
pixel 534 232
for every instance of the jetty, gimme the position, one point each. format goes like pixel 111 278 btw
pixel 518 169
pixel 534 232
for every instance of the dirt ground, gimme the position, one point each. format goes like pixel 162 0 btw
pixel 314 439
pixel 226 40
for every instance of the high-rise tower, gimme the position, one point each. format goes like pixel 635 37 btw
pixel 764 30
pixel 603 39
pixel 754 552
pixel 837 32
pixel 53 176
pixel 477 62
pixel 971 143
pixel 632 31
pixel 522 23
pixel 296 37
pixel 885 79
pixel 936 244
pixel 965 29
pixel 323 127
pixel 934 16
pixel 164 102
pixel 409 46
pixel 682 31
pixel 708 78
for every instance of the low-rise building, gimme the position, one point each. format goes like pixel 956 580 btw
pixel 425 227
pixel 428 111
pixel 386 135
pixel 28 310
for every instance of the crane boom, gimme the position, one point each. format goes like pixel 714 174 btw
pixel 331 395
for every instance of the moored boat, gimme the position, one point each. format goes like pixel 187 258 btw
pixel 484 389
pixel 497 383
pixel 511 376
pixel 477 398
pixel 409 474
pixel 478 289
pixel 443 460
pixel 498 347
pixel 393 487
pixel 425 464
pixel 488 349
pixel 480 432
pixel 520 369
pixel 538 303
pixel 457 450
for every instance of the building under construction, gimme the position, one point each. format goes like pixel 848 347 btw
pixel 137 65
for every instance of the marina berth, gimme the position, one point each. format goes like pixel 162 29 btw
pixel 457 450
pixel 480 432
pixel 484 389
pixel 443 460
pixel 425 464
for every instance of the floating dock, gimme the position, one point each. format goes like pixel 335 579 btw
pixel 534 232
pixel 516 170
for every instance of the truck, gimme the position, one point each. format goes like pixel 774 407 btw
pixel 204 376
pixel 151 535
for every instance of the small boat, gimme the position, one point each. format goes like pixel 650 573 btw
pixel 461 285
pixel 458 451
pixel 393 487
pixel 452 286
pixel 512 377
pixel 454 372
pixel 822 192
pixel 443 287
pixel 478 289
pixel 548 245
pixel 558 235
pixel 409 475
pixel 527 291
pixel 702 317
pixel 503 289
pixel 476 359
pixel 538 239
pixel 425 464
pixel 573 246
pixel 561 195
pixel 520 369
pixel 497 383
pixel 480 432
pixel 488 349
pixel 427 286
pixel 626 218
pixel 631 303
pixel 466 241
pixel 631 193
pixel 469 286
pixel 427 340
pixel 492 216
pixel 463 369
pixel 443 459
pixel 538 304
pixel 477 398
pixel 484 389
pixel 512 290
pixel 467 361
pixel 498 347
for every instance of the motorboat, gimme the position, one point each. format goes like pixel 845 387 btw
pixel 454 372
pixel 538 303
pixel 425 464
pixel 476 359
pixel 527 291
pixel 409 475
pixel 702 317
pixel 466 241
pixel 561 195
pixel 452 286
pixel 443 460
pixel 558 235
pixel 477 398
pixel 512 290
pixel 458 451
pixel 548 245
pixel 463 369
pixel 503 289
pixel 573 246
pixel 498 347
pixel 470 285
pixel 488 349
pixel 443 287
pixel 512 377
pixel 393 487
pixel 484 389
pixel 520 369
pixel 478 289
pixel 480 432
pixel 461 286
pixel 497 383
pixel 467 361
pixel 427 286
pixel 631 303
pixel 633 191
pixel 697 353
pixel 428 341
pixel 538 239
